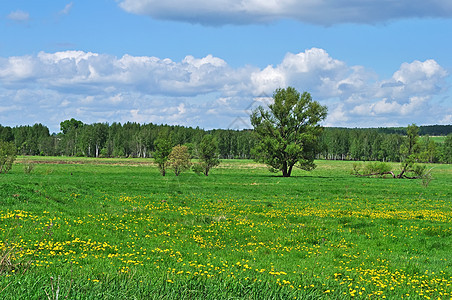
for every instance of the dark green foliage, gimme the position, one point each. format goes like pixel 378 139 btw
pixel 435 130
pixel 137 140
pixel 409 150
pixel 288 131
pixel 378 144
pixel 208 153
pixel 33 140
pixel 70 125
pixel 447 150
pixel 359 144
pixel 162 151
pixel 6 134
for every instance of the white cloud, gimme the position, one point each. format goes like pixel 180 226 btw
pixel 404 98
pixel 116 99
pixel 87 100
pixel 19 16
pixel 16 68
pixel 100 73
pixel 4 109
pixel 219 12
pixel 337 116
pixel 314 70
pixel 208 92
pixel 65 103
pixel 69 55
pixel 67 9
pixel 447 120
pixel 267 80
pixel 416 77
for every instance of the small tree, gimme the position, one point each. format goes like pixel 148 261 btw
pixel 8 154
pixel 409 150
pixel 288 131
pixel 179 159
pixel 161 153
pixel 208 153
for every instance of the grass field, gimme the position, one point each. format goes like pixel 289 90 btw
pixel 116 229
pixel 438 139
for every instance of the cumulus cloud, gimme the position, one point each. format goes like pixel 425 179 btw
pixel 415 78
pixel 407 92
pixel 219 12
pixel 19 16
pixel 314 70
pixel 208 92
pixel 99 73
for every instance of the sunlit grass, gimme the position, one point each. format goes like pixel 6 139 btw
pixel 121 230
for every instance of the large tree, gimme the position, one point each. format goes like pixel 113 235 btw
pixel 288 131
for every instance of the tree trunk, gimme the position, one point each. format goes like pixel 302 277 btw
pixel 289 171
pixel 404 169
pixel 284 170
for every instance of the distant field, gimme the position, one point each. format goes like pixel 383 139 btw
pixel 116 229
pixel 438 139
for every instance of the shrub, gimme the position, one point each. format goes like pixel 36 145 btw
pixel 377 168
pixel 7 156
pixel 28 167
pixel 179 159
pixel 197 168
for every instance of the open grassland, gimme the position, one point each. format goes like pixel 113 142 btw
pixel 438 139
pixel 116 229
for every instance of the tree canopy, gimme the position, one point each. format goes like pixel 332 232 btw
pixel 288 131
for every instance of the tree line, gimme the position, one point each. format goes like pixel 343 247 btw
pixel 138 140
pixel 376 144
pixel 120 140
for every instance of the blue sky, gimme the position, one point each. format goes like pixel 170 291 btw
pixel 207 63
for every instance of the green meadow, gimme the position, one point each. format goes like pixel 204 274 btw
pixel 438 139
pixel 116 229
